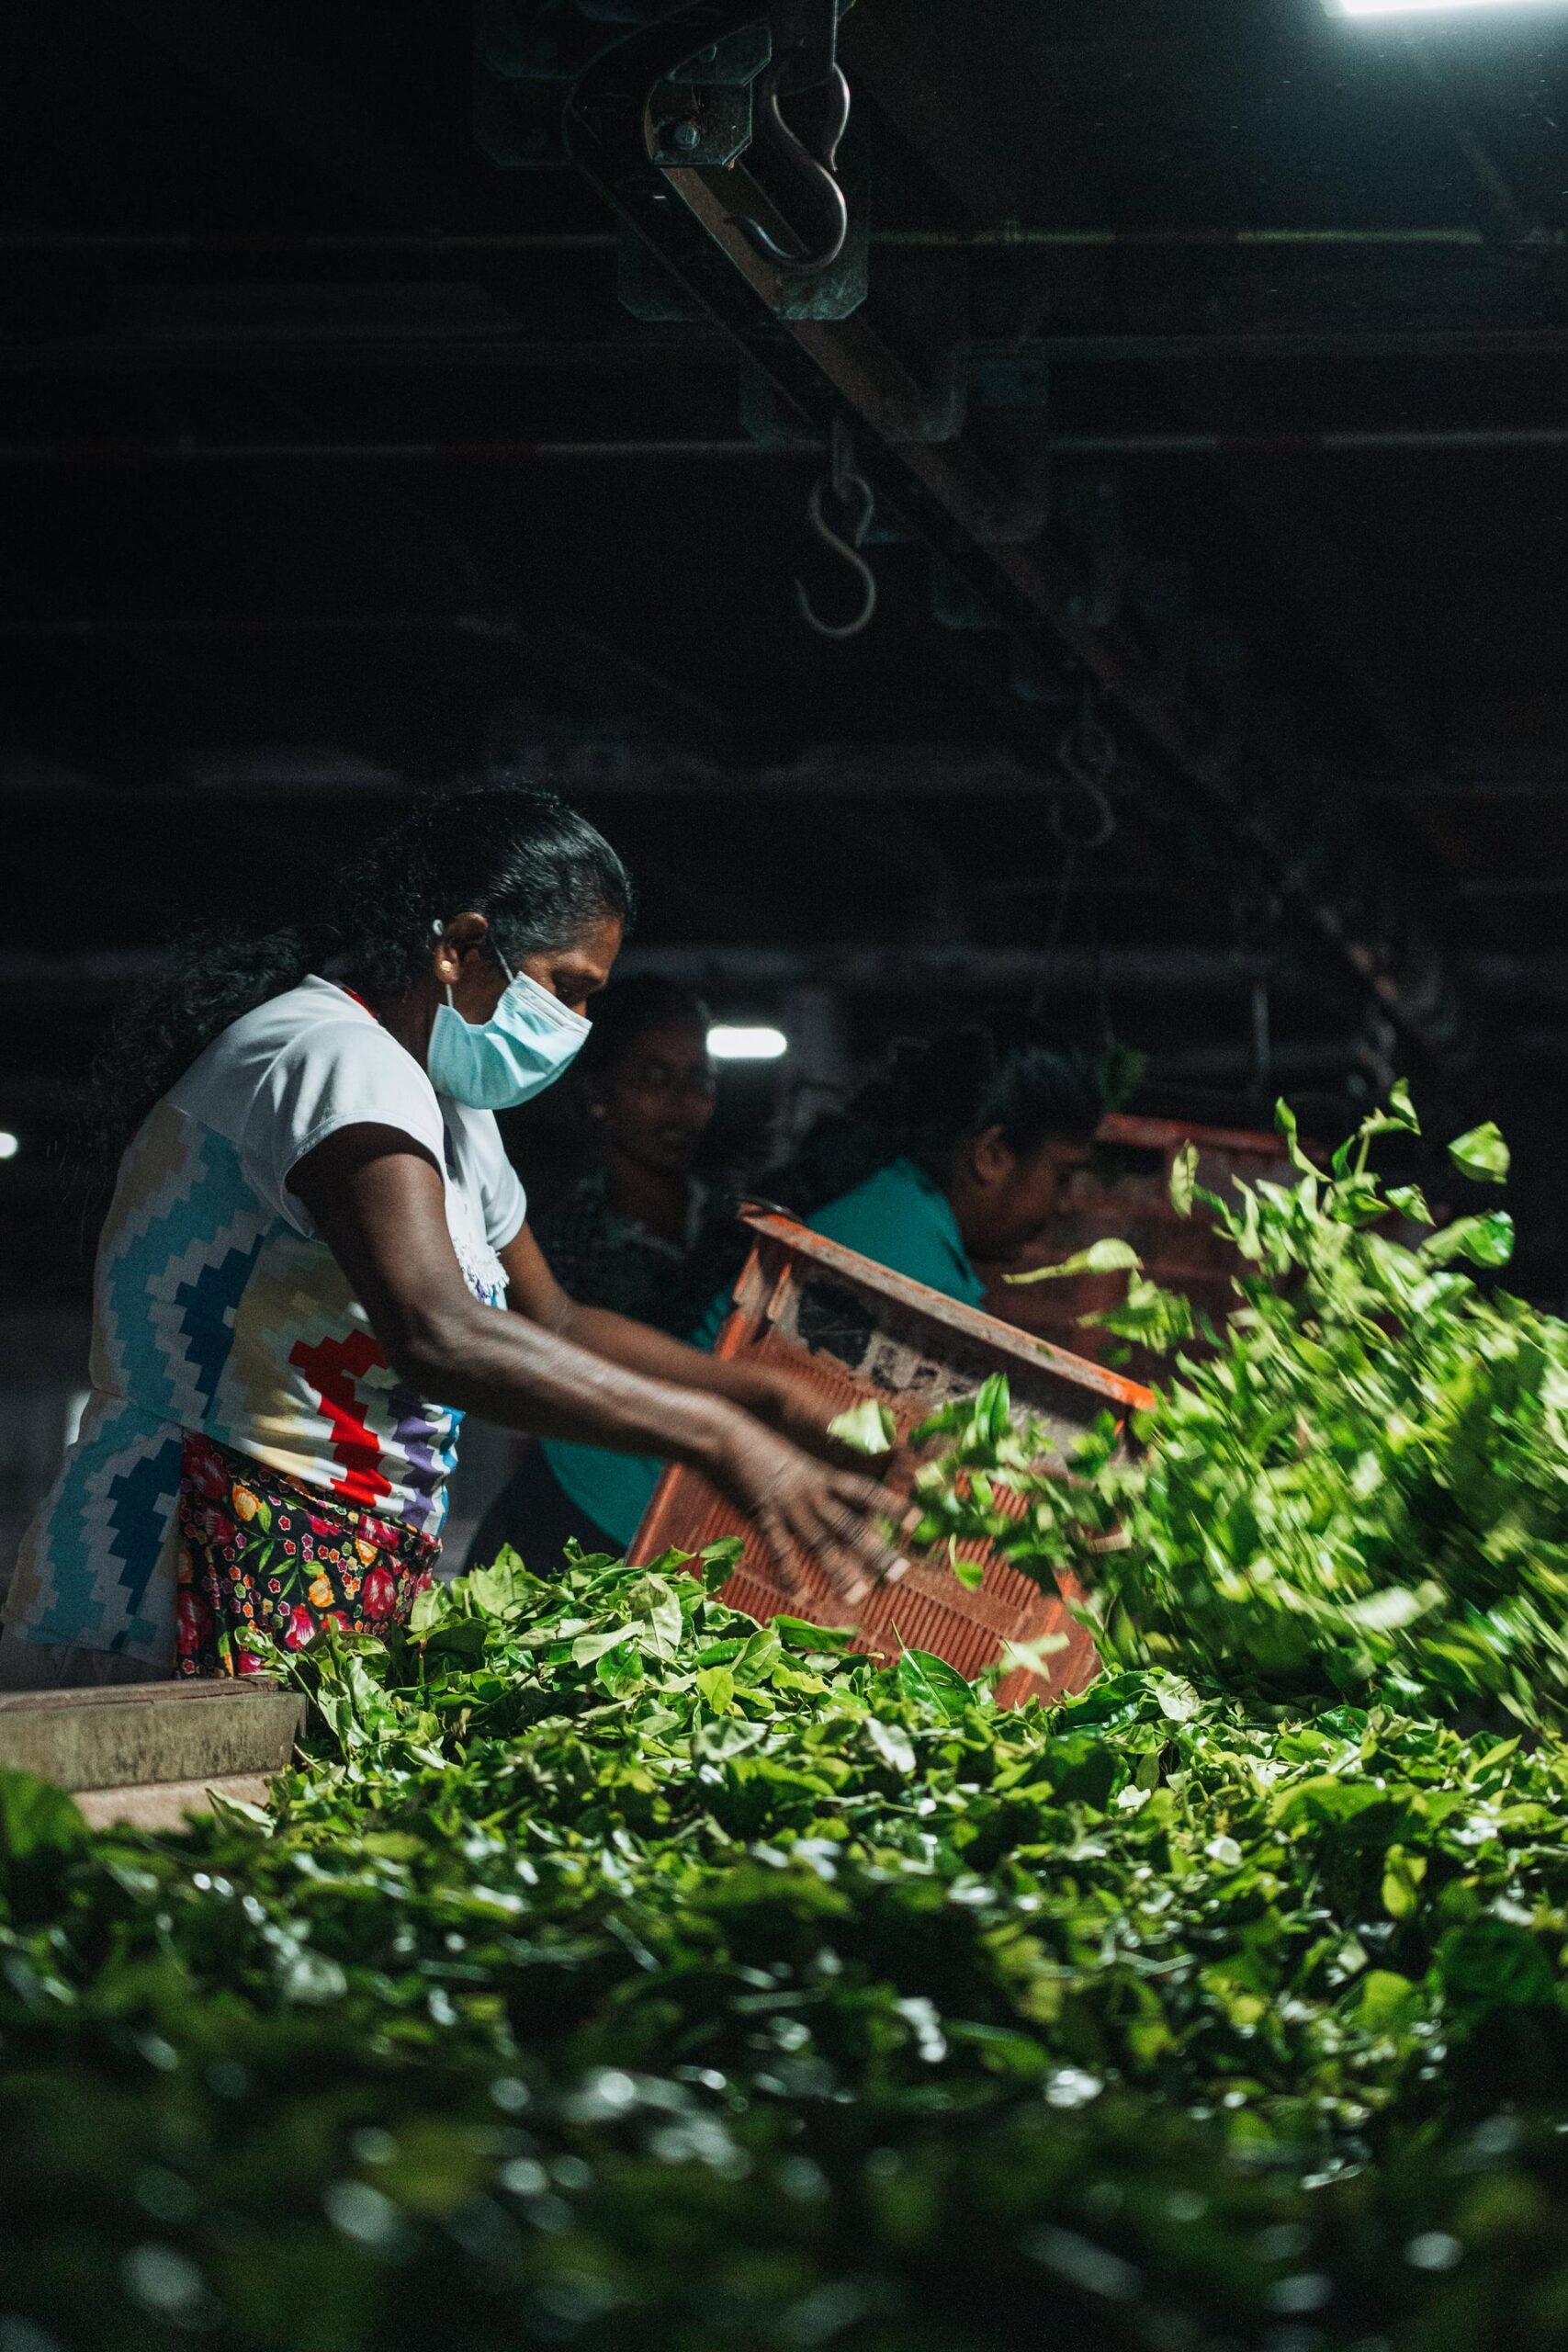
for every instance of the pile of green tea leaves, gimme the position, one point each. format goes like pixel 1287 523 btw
pixel 615 1972
pixel 1359 1492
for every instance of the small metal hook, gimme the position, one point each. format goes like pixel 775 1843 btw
pixel 1086 755
pixel 1102 824
pixel 816 170
pixel 852 491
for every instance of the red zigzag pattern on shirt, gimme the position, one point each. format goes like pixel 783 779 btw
pixel 332 1366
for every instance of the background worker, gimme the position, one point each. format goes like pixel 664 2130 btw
pixel 958 1148
pixel 313 1228
pixel 640 1233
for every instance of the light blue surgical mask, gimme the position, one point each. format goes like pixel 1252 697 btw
pixel 528 1042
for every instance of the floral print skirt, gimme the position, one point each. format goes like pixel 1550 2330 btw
pixel 259 1556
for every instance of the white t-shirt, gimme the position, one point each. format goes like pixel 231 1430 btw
pixel 217 1308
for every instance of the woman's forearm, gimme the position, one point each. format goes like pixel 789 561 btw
pixel 558 1384
pixel 640 1348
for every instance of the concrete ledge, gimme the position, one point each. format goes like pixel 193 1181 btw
pixel 166 1805
pixel 128 1736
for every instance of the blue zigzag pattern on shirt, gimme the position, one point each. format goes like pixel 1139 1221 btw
pixel 207 1304
pixel 138 1501
pixel 200 1208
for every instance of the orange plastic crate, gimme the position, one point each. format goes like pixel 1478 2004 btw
pixel 848 1327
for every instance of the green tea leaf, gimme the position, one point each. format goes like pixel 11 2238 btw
pixel 1395 1607
pixel 40 1827
pixel 719 1561
pixel 1389 2003
pixel 589 1648
pixel 1403 1874
pixel 1285 1121
pixel 868 1427
pixel 932 1683
pixel 716 1684
pixel 1486 1241
pixel 892 1745
pixel 1035 1657
pixel 1480 1155
pixel 1491 1964
pixel 1161 1319
pixel 1105 1257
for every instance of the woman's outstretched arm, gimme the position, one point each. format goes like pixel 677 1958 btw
pixel 378 1202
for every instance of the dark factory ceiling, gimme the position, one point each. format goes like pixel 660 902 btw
pixel 355 442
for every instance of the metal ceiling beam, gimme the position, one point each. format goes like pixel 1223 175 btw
pixel 34 1097
pixel 411 345
pixel 1165 972
pixel 381 453
pixel 1437 440
pixel 825 368
pixel 1433 440
pixel 1290 343
pixel 850 964
pixel 593 764
pixel 648 347
pixel 1549 783
pixel 1012 237
pixel 1006 236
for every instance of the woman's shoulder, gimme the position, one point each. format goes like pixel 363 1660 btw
pixel 895 1183
pixel 315 1016
pixel 311 1057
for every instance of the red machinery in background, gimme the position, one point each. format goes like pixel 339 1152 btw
pixel 1134 1205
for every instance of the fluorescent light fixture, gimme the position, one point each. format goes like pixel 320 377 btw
pixel 10 1144
pixel 728 1043
pixel 1427 7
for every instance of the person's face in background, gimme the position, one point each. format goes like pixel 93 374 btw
pixel 1001 1198
pixel 654 1105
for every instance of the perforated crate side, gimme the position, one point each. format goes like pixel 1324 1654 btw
pixel 851 1331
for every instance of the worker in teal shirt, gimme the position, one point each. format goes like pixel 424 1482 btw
pixel 957 1148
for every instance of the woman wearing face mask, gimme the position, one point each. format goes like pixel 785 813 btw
pixel 313 1227
pixel 957 1148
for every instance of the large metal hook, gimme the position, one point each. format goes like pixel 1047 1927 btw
pixel 816 170
pixel 855 495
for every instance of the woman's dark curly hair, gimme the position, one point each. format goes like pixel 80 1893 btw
pixel 930 1097
pixel 537 869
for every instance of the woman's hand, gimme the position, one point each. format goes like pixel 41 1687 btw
pixel 799 1506
pixel 801 1413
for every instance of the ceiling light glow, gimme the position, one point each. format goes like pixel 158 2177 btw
pixel 1368 9
pixel 729 1043
pixel 10 1144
